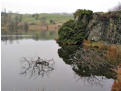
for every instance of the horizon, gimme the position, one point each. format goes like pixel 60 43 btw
pixel 68 7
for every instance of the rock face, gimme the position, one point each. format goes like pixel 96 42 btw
pixel 106 27
pixel 91 26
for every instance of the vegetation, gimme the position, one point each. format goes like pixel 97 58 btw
pixel 42 35
pixel 91 58
pixel 75 31
pixel 80 12
pixel 88 62
pixel 66 32
pixel 113 52
pixel 91 26
pixel 38 18
pixel 13 23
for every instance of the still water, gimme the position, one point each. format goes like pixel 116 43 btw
pixel 60 78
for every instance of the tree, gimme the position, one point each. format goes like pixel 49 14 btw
pixel 20 18
pixel 12 27
pixel 52 22
pixel 80 12
pixel 26 27
pixel 43 20
pixel 66 32
pixel 75 31
pixel 36 16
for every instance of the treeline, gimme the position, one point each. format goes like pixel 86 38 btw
pixel 14 23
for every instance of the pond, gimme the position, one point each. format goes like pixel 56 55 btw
pixel 16 76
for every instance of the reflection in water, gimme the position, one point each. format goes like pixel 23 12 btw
pixel 66 52
pixel 10 38
pixel 61 76
pixel 36 68
pixel 89 63
pixel 43 35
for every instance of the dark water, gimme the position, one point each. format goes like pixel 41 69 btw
pixel 61 78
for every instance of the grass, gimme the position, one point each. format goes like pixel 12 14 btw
pixel 58 18
pixel 113 51
pixel 37 22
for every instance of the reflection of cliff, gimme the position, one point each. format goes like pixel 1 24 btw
pixel 86 62
pixel 66 52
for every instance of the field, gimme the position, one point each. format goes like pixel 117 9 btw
pixel 39 18
pixel 14 22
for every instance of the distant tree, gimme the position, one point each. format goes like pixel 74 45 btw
pixel 52 22
pixel 16 19
pixel 43 20
pixel 36 16
pixel 11 27
pixel 20 18
pixel 3 12
pixel 26 27
pixel 33 15
pixel 4 17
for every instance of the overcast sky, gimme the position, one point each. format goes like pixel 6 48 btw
pixel 57 6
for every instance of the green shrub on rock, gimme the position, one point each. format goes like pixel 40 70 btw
pixel 75 31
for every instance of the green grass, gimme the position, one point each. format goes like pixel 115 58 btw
pixel 58 18
pixel 18 21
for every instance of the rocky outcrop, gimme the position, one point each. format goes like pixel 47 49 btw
pixel 91 26
pixel 106 27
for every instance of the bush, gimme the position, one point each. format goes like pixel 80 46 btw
pixel 66 32
pixel 80 12
pixel 75 31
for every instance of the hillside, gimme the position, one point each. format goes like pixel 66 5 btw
pixel 39 18
pixel 12 23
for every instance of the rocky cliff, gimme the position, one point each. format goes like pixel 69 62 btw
pixel 105 27
pixel 91 26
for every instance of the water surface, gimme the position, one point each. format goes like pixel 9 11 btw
pixel 62 78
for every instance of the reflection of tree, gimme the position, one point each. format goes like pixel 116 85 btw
pixel 36 68
pixel 66 53
pixel 88 63
pixel 35 36
pixel 11 38
pixel 92 80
